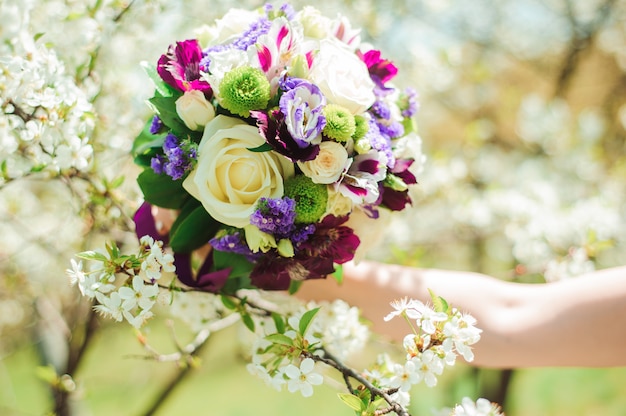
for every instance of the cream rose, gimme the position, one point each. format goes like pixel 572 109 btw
pixel 315 25
pixel 194 110
pixel 338 204
pixel 228 178
pixel 342 77
pixel 328 165
pixel 370 231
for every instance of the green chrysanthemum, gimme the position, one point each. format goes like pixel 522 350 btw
pixel 244 89
pixel 340 124
pixel 311 198
pixel 361 127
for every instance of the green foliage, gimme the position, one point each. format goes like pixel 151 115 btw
pixel 161 190
pixel 306 320
pixel 193 228
pixel 439 303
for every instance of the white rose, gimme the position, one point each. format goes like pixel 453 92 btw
pixel 226 29
pixel 194 110
pixel 228 178
pixel 370 231
pixel 343 78
pixel 338 204
pixel 315 25
pixel 328 165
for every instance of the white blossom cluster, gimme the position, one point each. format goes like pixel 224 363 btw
pixel 198 310
pixel 46 120
pixel 132 296
pixel 438 336
pixel 336 327
pixel 469 407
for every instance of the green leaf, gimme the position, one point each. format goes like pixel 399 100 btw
pixel 265 147
pixel 279 322
pixel 146 141
pixel 92 255
pixel 165 107
pixel 352 401
pixel 248 322
pixel 280 339
pixel 338 274
pixel 294 286
pixel 439 303
pixel 240 265
pixel 229 303
pixel 162 190
pixel 193 228
pixel 162 88
pixel 306 319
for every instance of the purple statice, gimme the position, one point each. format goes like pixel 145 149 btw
pixel 303 108
pixel 286 10
pixel 178 157
pixel 243 42
pixel 380 109
pixel 156 125
pixel 232 243
pixel 301 234
pixel 410 104
pixel 250 35
pixel 380 141
pixel 275 216
pixel 393 129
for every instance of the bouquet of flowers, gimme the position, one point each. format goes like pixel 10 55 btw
pixel 278 138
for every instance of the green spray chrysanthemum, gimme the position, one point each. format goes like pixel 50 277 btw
pixel 340 124
pixel 361 127
pixel 244 89
pixel 311 198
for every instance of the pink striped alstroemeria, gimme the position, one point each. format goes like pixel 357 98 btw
pixel 361 182
pixel 180 67
pixel 275 49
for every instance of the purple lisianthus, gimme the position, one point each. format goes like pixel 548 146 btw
pixel 178 157
pixel 303 108
pixel 180 67
pixel 273 128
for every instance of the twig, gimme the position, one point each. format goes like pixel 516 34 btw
pixel 347 372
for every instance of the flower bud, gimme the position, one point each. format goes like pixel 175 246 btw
pixel 194 109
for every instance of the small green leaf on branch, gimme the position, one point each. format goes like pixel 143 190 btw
pixel 352 401
pixel 306 319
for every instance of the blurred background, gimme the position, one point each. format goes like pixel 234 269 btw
pixel 523 121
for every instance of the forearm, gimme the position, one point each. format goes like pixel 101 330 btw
pixel 524 325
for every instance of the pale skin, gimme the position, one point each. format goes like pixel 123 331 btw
pixel 579 322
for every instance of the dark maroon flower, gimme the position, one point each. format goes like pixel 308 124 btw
pixel 332 240
pixel 397 200
pixel 180 67
pixel 272 126
pixel 276 272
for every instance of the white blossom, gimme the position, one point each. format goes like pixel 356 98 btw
pixel 303 378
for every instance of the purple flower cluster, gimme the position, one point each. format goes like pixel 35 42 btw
pixel 178 158
pixel 232 243
pixel 411 106
pixel 243 42
pixel 275 216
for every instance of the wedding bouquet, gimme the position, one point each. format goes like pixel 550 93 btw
pixel 279 139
